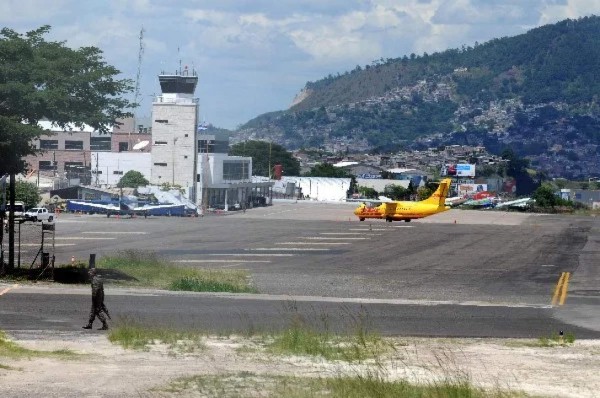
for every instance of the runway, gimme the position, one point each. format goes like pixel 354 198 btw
pixel 509 262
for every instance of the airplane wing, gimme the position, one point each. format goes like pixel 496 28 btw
pixel 382 199
pixel 153 207
pixel 76 205
pixel 161 210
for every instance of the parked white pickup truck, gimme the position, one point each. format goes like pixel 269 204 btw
pixel 38 214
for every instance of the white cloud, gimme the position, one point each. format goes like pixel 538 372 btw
pixel 556 11
pixel 253 56
pixel 12 11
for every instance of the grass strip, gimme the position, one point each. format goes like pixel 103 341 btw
pixel 299 339
pixel 132 336
pixel 10 349
pixel 247 384
pixel 149 270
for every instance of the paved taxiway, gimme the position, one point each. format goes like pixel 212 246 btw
pixel 489 273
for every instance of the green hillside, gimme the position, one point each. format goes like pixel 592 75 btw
pixel 548 63
pixel 537 92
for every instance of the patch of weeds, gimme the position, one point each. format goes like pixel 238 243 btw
pixel 300 339
pixel 132 336
pixel 135 267
pixel 213 281
pixel 10 349
pixel 6 367
pixel 247 384
pixel 553 340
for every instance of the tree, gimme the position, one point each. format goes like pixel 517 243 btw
pixel 42 79
pixel 27 193
pixel 265 154
pixel 396 192
pixel 544 196
pixel 132 179
pixel 368 192
pixel 424 192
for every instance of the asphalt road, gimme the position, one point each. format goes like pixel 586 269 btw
pixel 488 273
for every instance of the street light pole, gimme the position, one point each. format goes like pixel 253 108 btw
pixel 173 161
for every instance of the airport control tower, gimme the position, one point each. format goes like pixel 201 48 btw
pixel 174 123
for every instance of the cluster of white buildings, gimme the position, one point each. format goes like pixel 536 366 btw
pixel 174 152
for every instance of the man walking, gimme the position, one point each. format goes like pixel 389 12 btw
pixel 98 307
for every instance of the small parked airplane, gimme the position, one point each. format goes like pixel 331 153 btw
pixel 127 206
pixel 398 211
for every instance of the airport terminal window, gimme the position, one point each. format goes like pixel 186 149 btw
pixel 73 145
pixel 160 142
pixel 100 144
pixel 48 144
pixel 206 146
pixel 123 146
pixel 160 164
pixel 73 165
pixel 45 165
pixel 161 121
pixel 118 172
pixel 236 169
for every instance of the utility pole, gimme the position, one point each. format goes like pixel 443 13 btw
pixel 2 214
pixel 11 222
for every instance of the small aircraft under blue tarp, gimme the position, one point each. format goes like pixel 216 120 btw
pixel 126 205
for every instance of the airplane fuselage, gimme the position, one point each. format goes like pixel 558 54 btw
pixel 406 211
pixel 398 211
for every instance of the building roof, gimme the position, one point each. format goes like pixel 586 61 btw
pixel 345 164
pixel 48 125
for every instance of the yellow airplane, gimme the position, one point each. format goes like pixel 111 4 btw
pixel 398 211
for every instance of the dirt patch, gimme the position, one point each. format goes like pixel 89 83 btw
pixel 111 371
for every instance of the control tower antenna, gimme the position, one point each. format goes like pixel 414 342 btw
pixel 137 76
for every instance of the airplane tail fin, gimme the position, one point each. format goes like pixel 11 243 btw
pixel 438 198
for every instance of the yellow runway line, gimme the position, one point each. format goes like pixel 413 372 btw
pixel 8 289
pixel 563 296
pixel 557 288
pixel 560 291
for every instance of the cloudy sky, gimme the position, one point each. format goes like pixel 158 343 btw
pixel 254 56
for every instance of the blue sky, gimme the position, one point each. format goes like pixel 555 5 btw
pixel 254 56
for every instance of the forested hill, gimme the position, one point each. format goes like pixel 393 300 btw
pixel 533 91
pixel 553 62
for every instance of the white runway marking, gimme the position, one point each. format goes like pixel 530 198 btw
pixel 312 243
pixel 210 260
pixel 365 229
pixel 334 238
pixel 346 233
pixel 402 226
pixel 46 244
pixel 298 249
pixel 277 212
pixel 252 254
pixel 116 232
pixel 82 238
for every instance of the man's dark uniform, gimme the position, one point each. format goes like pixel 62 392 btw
pixel 98 307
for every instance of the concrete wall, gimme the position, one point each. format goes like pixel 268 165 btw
pixel 131 140
pixel 111 166
pixel 321 188
pixel 174 144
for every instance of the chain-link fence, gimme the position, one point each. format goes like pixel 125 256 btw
pixel 33 243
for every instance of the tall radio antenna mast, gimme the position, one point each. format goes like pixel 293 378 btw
pixel 137 77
